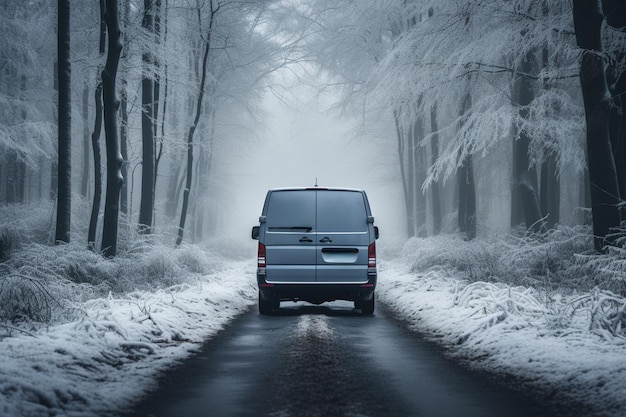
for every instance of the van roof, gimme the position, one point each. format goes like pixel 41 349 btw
pixel 316 188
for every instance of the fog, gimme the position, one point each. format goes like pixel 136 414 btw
pixel 302 143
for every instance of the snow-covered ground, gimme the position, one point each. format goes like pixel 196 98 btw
pixel 561 346
pixel 99 363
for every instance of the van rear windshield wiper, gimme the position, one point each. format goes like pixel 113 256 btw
pixel 306 228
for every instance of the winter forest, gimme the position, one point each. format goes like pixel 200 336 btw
pixel 490 136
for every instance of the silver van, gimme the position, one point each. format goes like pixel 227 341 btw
pixel 316 245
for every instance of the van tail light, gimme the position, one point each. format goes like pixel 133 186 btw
pixel 261 258
pixel 371 255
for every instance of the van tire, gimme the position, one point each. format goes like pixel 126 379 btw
pixel 266 307
pixel 366 306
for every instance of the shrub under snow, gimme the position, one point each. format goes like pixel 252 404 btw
pixel 71 319
pixel 547 310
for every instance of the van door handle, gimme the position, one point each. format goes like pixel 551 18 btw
pixel 305 239
pixel 326 240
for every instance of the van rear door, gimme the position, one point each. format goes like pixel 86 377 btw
pixel 342 236
pixel 289 236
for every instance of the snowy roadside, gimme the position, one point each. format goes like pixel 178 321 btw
pixel 564 345
pixel 103 362
pixel 554 350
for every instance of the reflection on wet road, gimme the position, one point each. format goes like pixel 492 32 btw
pixel 328 361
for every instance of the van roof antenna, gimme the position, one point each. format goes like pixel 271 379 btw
pixel 316 181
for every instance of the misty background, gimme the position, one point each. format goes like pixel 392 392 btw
pixel 455 118
pixel 299 143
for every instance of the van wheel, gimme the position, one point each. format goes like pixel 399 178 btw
pixel 267 306
pixel 366 306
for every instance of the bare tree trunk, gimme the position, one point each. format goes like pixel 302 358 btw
pixel 584 198
pixel 525 179
pixel 124 147
pixel 410 225
pixel 434 150
pixel 617 132
pixel 410 179
pixel 124 207
pixel 602 172
pixel 15 180
pixel 466 188
pixel 54 180
pixel 173 188
pixel 95 140
pixel 205 164
pixel 22 190
pixel 419 161
pixel 84 186
pixel 147 129
pixel 517 212
pixel 192 128
pixel 550 191
pixel 615 13
pixel 467 198
pixel 64 196
pixel 114 158
pixel 157 93
pixel 97 163
pixel 550 188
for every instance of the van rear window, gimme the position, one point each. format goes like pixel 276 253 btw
pixel 291 211
pixel 341 211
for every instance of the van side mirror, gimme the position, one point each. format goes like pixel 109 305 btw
pixel 255 232
pixel 376 234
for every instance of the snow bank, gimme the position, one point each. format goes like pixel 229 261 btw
pixel 563 343
pixel 101 362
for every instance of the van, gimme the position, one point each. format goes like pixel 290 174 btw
pixel 316 245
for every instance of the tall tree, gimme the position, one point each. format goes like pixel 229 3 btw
pixel 406 174
pixel 525 180
pixel 419 159
pixel 124 114
pixel 434 152
pixel 64 195
pixel 588 19
pixel 466 184
pixel 615 13
pixel 213 9
pixel 95 139
pixel 159 26
pixel 147 126
pixel 550 191
pixel 97 164
pixel 550 187
pixel 84 186
pixel 111 104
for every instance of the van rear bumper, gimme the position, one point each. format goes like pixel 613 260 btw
pixel 316 293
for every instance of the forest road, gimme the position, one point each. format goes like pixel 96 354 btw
pixel 327 361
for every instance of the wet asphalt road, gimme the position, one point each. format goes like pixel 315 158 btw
pixel 329 361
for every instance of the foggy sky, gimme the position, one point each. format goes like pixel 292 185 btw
pixel 306 142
